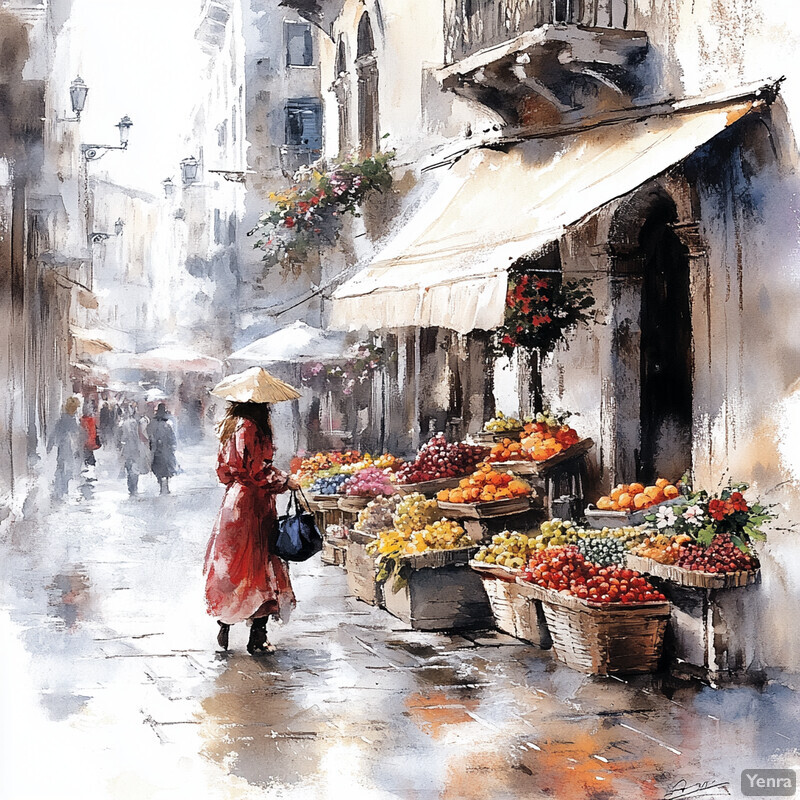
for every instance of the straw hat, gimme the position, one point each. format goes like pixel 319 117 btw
pixel 254 385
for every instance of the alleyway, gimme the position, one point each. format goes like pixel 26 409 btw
pixel 110 660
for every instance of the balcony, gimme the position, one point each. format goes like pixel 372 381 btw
pixel 541 61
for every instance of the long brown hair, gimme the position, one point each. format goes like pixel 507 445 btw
pixel 259 413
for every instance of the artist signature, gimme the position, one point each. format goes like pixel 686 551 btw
pixel 697 790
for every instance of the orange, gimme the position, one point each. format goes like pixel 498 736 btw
pixel 625 500
pixel 444 495
pixel 635 488
pixel 616 492
pixel 670 491
pixel 604 503
pixel 662 482
pixel 652 492
pixel 640 500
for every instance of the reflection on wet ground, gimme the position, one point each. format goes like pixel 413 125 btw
pixel 104 628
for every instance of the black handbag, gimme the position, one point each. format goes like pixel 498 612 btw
pixel 298 535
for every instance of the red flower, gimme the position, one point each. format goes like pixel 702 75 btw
pixel 542 283
pixel 717 509
pixel 507 340
pixel 738 503
pixel 289 222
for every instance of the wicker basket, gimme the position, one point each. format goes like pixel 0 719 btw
pixel 603 640
pixel 690 577
pixel 515 612
pixel 492 508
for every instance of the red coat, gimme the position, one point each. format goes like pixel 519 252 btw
pixel 243 578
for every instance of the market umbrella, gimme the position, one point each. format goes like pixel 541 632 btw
pixel 254 385
pixel 167 358
pixel 295 343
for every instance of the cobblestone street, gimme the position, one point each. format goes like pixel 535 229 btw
pixel 114 685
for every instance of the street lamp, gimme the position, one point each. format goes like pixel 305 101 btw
pixel 169 187
pixel 93 152
pixel 77 95
pixel 189 167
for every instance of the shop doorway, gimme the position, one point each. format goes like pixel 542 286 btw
pixel 665 349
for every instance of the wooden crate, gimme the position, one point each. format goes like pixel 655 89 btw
pixel 493 508
pixel 514 611
pixel 603 639
pixel 443 598
pixel 620 519
pixel 489 438
pixel 362 572
pixel 326 502
pixel 577 451
pixel 429 488
pixel 334 552
pixel 695 578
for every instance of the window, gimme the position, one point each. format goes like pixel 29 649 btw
pixel 304 123
pixel 367 72
pixel 299 45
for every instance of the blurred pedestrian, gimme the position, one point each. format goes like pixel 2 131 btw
pixel 91 441
pixel 161 434
pixel 68 438
pixel 133 449
pixel 245 580
pixel 106 425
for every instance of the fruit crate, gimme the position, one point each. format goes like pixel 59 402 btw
pixel 596 518
pixel 542 468
pixel 439 592
pixel 326 502
pixel 492 508
pixel 515 613
pixel 490 437
pixel 362 570
pixel 352 505
pixel 607 639
pixel 334 552
pixel 693 578
pixel 429 488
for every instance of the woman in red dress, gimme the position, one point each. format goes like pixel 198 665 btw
pixel 244 579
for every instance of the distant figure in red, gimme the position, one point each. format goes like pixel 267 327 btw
pixel 91 441
pixel 244 580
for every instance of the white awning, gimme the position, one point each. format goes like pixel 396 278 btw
pixel 90 341
pixel 448 266
pixel 167 358
pixel 297 342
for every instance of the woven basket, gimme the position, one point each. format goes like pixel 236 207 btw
pixel 690 577
pixel 603 640
pixel 514 611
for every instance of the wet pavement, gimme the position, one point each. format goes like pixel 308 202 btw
pixel 113 687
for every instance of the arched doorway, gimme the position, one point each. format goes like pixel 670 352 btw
pixel 666 350
pixel 651 366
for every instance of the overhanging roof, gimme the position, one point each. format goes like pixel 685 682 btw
pixel 448 267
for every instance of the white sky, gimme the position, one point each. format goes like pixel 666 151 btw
pixel 138 57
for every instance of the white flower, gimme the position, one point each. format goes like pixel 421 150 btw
pixel 665 517
pixel 694 515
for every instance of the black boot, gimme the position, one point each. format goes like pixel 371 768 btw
pixel 222 636
pixel 258 637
